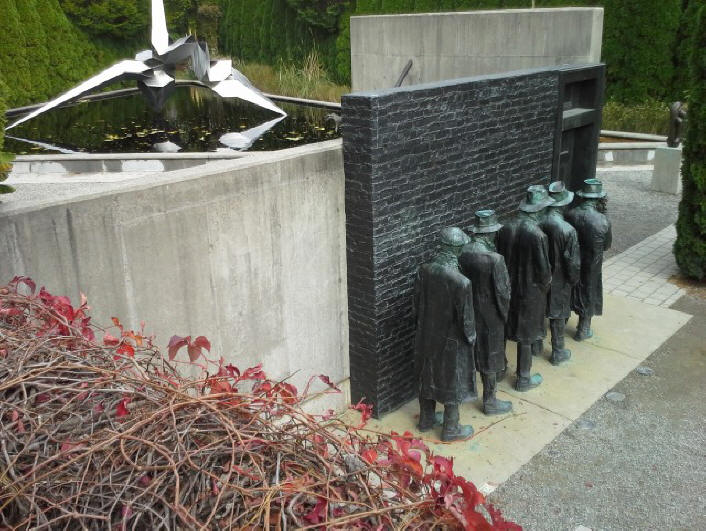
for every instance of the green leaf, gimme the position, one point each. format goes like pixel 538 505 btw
pixel 6 189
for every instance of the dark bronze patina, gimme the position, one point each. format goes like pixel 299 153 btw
pixel 525 248
pixel 594 233
pixel 677 114
pixel 491 300
pixel 445 336
pixel 565 262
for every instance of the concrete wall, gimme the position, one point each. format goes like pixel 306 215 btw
pixel 252 255
pixel 453 45
pixel 418 159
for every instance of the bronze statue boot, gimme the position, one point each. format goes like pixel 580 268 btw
pixel 472 395
pixel 491 405
pixel 537 348
pixel 583 330
pixel 452 430
pixel 559 353
pixel 526 380
pixel 502 372
pixel 427 414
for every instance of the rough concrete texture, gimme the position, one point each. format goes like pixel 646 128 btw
pixel 635 210
pixel 624 337
pixel 461 44
pixel 667 173
pixel 249 252
pixel 631 464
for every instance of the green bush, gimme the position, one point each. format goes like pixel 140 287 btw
pixel 14 65
pixel 650 116
pixel 3 107
pixel 35 49
pixel 690 247
pixel 123 19
pixel 638 48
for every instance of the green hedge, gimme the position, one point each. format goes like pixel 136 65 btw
pixel 690 247
pixel 642 40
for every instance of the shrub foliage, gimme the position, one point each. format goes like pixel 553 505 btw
pixel 690 247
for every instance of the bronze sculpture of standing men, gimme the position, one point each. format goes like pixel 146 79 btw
pixel 565 263
pixel 491 300
pixel 445 336
pixel 527 261
pixel 594 233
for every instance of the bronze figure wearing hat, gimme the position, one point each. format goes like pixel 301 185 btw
pixel 565 262
pixel 594 234
pixel 491 300
pixel 526 253
pixel 445 336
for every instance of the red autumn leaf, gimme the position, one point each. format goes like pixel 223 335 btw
pixel 98 408
pixel 366 412
pixel 116 322
pixel 194 350
pixel 110 340
pixel 122 410
pixel 145 480
pixel 69 446
pixel 499 523
pixel 369 456
pixel 15 283
pixel 318 514
pixel 175 343
pixel 126 350
pixel 254 373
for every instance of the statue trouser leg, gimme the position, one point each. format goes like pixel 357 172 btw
pixel 537 347
pixel 525 379
pixel 427 410
pixel 502 372
pixel 472 387
pixel 452 430
pixel 583 330
pixel 559 353
pixel 491 405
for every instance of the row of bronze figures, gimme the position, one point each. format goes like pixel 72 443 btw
pixel 502 283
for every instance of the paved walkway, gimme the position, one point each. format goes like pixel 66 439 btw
pixel 642 272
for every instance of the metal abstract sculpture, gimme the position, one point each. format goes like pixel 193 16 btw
pixel 445 336
pixel 153 70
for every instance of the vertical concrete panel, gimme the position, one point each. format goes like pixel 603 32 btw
pixel 455 45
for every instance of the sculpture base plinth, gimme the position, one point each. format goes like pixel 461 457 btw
pixel 666 176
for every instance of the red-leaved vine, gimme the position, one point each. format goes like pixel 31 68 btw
pixel 99 429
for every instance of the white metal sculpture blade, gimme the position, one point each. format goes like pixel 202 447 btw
pixel 114 73
pixel 220 76
pixel 160 35
pixel 244 139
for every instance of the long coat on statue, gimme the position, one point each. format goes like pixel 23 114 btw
pixel 491 301
pixel 445 331
pixel 565 262
pixel 527 260
pixel 595 236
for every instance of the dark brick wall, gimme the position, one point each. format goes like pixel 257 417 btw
pixel 418 159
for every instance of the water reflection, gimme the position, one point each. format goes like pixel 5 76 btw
pixel 193 119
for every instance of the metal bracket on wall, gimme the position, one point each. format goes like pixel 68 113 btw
pixel 404 73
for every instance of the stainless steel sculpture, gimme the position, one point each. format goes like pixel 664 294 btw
pixel 153 70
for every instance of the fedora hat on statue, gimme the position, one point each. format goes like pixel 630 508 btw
pixel 592 189
pixel 559 193
pixel 537 199
pixel 486 221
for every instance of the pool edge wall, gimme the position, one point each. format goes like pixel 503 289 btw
pixel 251 254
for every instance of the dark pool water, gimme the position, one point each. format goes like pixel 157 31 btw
pixel 194 118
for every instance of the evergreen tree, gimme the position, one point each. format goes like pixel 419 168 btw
pixel 684 46
pixel 4 92
pixel 690 247
pixel 14 65
pixel 35 49
pixel 639 39
pixel 122 19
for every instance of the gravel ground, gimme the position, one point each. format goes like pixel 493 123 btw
pixel 635 211
pixel 639 463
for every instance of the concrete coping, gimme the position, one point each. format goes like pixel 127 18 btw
pixel 537 10
pixel 630 145
pixel 635 136
pixel 204 155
